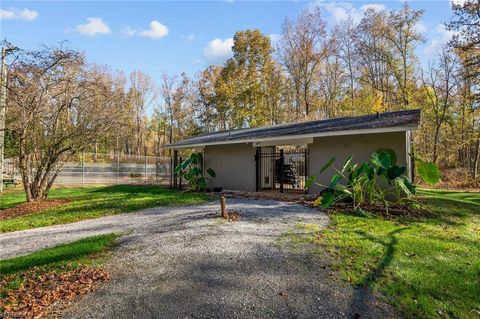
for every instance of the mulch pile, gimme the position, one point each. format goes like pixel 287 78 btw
pixel 394 210
pixel 233 216
pixel 31 207
pixel 39 292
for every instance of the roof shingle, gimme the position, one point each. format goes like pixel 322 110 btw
pixel 409 118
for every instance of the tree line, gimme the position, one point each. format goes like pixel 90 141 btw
pixel 58 105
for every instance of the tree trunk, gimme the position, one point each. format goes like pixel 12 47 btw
pixel 476 160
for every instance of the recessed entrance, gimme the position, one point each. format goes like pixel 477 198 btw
pixel 282 169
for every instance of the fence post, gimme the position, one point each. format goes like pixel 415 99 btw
pixel 281 170
pixel 83 170
pixel 146 168
pixel 118 168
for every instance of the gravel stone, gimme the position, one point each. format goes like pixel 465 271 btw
pixel 186 262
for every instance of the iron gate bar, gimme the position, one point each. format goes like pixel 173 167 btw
pixel 281 170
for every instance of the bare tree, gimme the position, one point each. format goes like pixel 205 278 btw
pixel 56 108
pixel 302 48
pixel 439 85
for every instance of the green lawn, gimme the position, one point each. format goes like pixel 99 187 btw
pixel 92 202
pixel 90 251
pixel 428 267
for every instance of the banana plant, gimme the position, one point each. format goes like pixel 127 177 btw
pixel 190 169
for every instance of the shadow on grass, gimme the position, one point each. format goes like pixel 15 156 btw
pixel 133 189
pixel 389 244
pixel 59 255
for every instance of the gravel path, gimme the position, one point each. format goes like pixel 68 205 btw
pixel 183 262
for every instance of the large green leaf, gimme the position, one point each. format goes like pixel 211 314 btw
pixel 186 162
pixel 395 171
pixel 428 172
pixel 346 164
pixel 334 180
pixel 196 171
pixel 382 159
pixel 327 199
pixel 393 156
pixel 327 165
pixel 309 182
pixel 406 185
pixel 202 183
pixel 211 172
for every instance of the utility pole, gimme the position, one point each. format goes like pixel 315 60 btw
pixel 3 96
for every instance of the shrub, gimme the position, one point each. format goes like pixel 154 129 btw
pixel 191 170
pixel 377 181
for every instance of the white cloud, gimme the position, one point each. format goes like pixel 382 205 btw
pixel 27 14
pixel 440 37
pixel 128 31
pixel 157 30
pixel 420 27
pixel 94 26
pixel 14 14
pixel 340 11
pixel 188 38
pixel 218 50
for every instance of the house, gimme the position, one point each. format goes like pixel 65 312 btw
pixel 281 157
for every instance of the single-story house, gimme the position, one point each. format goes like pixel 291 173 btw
pixel 281 157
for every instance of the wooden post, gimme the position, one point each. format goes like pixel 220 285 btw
pixel 281 170
pixel 305 167
pixel 83 170
pixel 175 163
pixel 257 170
pixel 222 207
pixel 180 176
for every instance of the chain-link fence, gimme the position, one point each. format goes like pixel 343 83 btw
pixel 91 168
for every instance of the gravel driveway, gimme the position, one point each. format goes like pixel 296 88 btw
pixel 183 262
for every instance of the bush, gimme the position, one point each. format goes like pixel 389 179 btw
pixel 191 170
pixel 377 181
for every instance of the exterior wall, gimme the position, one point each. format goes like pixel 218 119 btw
pixel 234 165
pixel 359 146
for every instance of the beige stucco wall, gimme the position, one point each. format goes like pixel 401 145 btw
pixel 359 146
pixel 234 165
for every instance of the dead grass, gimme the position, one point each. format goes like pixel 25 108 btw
pixel 32 207
pixel 35 297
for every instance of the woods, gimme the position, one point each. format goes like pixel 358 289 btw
pixel 58 105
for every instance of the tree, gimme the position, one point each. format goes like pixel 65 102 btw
pixel 302 48
pixel 466 22
pixel 248 70
pixel 403 37
pixel 57 107
pixel 439 85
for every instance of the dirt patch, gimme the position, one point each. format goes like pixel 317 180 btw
pixel 31 207
pixel 40 293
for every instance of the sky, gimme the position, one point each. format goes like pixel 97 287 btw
pixel 159 37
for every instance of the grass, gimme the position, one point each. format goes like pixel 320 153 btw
pixel 428 267
pixel 93 202
pixel 90 251
pixel 84 251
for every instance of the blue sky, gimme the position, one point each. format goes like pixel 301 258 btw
pixel 174 37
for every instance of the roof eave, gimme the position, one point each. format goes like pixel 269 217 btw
pixel 299 136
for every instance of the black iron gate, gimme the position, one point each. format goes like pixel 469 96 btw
pixel 283 170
